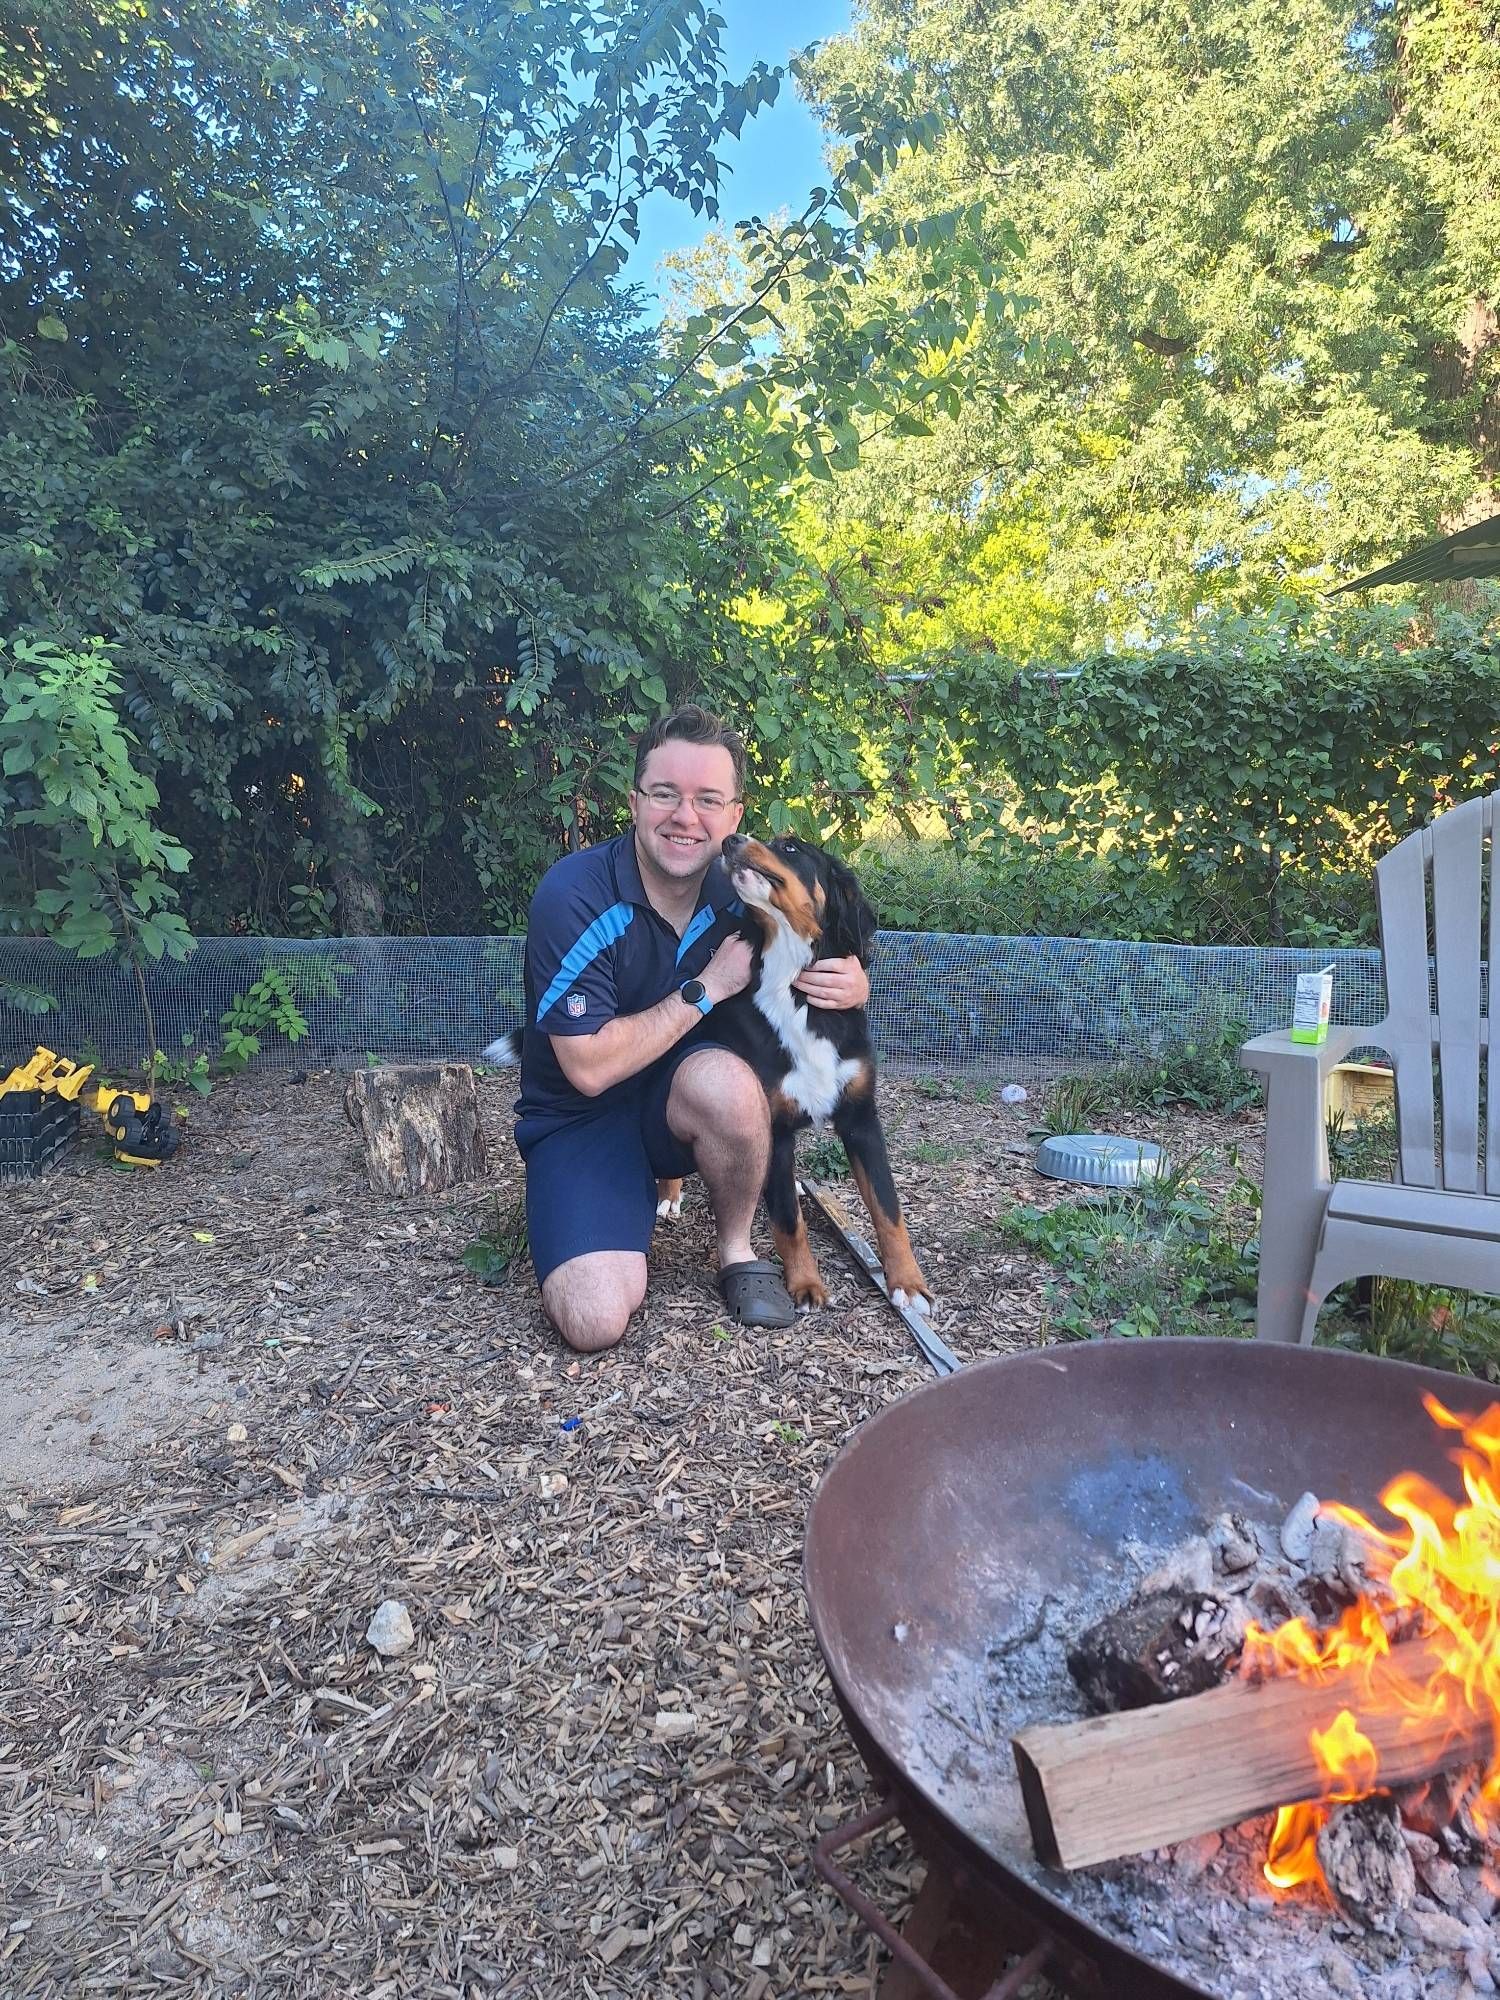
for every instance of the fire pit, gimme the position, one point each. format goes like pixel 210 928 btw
pixel 962 1530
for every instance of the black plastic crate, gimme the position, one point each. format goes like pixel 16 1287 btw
pixel 35 1127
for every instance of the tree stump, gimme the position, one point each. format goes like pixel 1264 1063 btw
pixel 420 1125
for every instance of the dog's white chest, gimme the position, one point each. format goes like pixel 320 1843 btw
pixel 818 1075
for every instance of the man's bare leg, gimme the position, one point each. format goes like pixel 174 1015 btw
pixel 590 1299
pixel 717 1107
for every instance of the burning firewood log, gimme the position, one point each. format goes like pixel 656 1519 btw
pixel 1157 1648
pixel 1120 1784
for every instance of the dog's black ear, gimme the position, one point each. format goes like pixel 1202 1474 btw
pixel 849 924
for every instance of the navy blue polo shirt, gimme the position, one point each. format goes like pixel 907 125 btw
pixel 595 948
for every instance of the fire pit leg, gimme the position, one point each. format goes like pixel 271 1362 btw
pixel 951 1948
pixel 955 1941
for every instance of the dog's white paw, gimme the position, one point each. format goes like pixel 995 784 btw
pixel 915 1302
pixel 664 1209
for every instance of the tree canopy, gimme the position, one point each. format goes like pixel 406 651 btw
pixel 1260 240
pixel 355 515
pixel 331 417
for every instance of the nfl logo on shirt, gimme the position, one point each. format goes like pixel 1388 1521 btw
pixel 575 1004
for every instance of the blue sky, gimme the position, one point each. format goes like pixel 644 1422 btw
pixel 779 154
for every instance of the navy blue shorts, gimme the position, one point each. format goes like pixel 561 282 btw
pixel 591 1184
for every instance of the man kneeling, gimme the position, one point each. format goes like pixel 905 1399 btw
pixel 629 947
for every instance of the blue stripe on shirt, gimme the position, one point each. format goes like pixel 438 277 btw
pixel 695 930
pixel 600 934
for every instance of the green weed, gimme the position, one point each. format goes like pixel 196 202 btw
pixel 496 1249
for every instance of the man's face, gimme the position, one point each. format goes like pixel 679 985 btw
pixel 684 806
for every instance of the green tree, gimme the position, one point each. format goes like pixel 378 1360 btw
pixel 82 859
pixel 1260 242
pixel 330 412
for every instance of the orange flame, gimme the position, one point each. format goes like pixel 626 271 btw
pixel 1438 1575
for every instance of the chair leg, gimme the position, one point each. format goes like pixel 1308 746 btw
pixel 1329 1271
pixel 1285 1308
pixel 1309 1327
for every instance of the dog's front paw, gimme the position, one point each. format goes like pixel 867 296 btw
pixel 808 1294
pixel 917 1302
pixel 668 1200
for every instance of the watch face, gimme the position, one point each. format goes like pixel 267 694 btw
pixel 692 990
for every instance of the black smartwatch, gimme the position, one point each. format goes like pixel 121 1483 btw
pixel 696 995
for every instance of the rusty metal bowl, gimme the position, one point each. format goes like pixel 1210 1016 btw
pixel 947 1513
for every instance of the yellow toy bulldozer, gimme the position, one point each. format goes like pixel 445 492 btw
pixel 142 1134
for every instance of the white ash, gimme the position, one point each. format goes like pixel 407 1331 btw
pixel 1204 1910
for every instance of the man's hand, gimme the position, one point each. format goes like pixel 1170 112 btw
pixel 728 971
pixel 834 982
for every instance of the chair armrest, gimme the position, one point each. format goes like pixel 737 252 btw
pixel 1277 1051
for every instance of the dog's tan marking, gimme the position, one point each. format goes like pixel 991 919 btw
pixel 897 1259
pixel 803 1279
pixel 788 892
pixel 862 1082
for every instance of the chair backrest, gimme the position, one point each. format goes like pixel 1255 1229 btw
pixel 1433 891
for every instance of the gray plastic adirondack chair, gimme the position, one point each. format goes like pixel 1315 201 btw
pixel 1438 1221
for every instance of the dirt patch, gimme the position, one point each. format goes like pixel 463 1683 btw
pixel 600 1768
pixel 79 1404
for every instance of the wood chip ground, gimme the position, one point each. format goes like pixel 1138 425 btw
pixel 246 1400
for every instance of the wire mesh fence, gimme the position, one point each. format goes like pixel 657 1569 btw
pixel 986 1006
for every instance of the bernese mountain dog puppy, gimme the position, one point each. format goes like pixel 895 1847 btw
pixel 816 1064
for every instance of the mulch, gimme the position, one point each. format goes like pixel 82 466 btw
pixel 599 1769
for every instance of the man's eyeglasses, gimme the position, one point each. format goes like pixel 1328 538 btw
pixel 667 798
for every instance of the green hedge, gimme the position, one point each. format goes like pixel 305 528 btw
pixel 1235 788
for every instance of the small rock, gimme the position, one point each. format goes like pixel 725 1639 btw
pixel 390 1631
pixel 508 1857
pixel 1477 1970
pixel 1012 1093
pixel 236 1434
pixel 554 1485
pixel 675 1722
pixel 1297 1529
pixel 613 1626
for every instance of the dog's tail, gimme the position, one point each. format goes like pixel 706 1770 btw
pixel 504 1053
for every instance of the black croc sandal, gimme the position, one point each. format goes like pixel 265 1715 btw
pixel 756 1294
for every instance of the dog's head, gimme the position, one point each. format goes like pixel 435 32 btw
pixel 792 882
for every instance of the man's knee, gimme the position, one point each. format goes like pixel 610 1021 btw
pixel 590 1300
pixel 716 1090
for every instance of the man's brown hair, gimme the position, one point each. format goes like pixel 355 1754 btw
pixel 692 724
